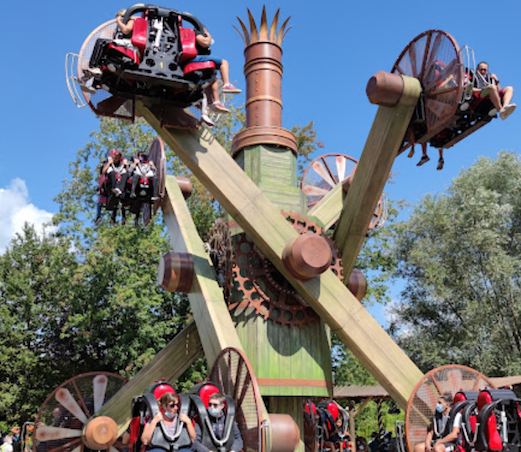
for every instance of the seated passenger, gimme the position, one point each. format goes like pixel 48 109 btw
pixel 425 158
pixel 122 37
pixel 336 439
pixel 169 418
pixel 203 42
pixel 217 419
pixel 124 31
pixel 116 170
pixel 487 84
pixel 142 168
pixel 436 440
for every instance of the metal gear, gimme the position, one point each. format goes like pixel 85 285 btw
pixel 219 248
pixel 259 287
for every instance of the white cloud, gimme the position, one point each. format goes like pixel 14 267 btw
pixel 17 210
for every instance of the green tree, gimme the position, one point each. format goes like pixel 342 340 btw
pixel 459 257
pixel 36 291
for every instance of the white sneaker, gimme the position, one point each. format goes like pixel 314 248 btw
pixel 92 72
pixel 492 112
pixel 87 88
pixel 506 111
pixel 207 120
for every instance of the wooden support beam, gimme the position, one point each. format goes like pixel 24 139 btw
pixel 327 210
pixel 170 363
pixel 381 148
pixel 209 309
pixel 264 224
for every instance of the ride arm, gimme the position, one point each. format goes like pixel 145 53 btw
pixel 495 81
pixel 189 426
pixel 197 446
pixel 106 167
pixel 148 431
pixel 205 39
pixel 125 27
pixel 451 437
pixel 428 440
pixel 237 443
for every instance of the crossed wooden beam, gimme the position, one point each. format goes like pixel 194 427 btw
pixel 269 230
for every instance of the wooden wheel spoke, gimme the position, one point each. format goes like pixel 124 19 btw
pixel 435 383
pixel 99 388
pixel 312 190
pixel 441 91
pixel 433 52
pixel 340 167
pixel 454 376
pixel 438 109
pixel 323 172
pixel 412 59
pixel 443 77
pixel 329 171
pixel 80 397
pixel 66 400
pixel 66 445
pixel 399 69
pixel 237 379
pixel 244 390
pixel 425 55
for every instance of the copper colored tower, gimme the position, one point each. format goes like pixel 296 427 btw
pixel 263 71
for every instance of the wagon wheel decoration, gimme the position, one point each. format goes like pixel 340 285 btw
pixel 102 102
pixel 232 372
pixel 422 402
pixel 259 288
pixel 60 420
pixel 325 173
pixel 435 60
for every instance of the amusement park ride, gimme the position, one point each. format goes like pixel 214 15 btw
pixel 279 275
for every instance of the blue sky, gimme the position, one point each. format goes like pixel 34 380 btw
pixel 330 53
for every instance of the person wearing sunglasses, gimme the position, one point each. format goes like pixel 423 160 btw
pixel 170 417
pixel 217 419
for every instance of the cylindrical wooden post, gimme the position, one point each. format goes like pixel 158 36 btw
pixel 307 256
pixel 100 433
pixel 186 186
pixel 385 89
pixel 176 272
pixel 285 434
pixel 357 284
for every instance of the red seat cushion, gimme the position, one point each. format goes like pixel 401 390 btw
pixel 188 43
pixel 494 440
pixel 206 391
pixel 140 34
pixel 190 67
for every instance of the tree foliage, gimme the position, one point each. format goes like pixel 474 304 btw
pixel 459 256
pixel 85 298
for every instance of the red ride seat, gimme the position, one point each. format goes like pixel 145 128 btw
pixel 188 42
pixel 140 34
pixel 190 67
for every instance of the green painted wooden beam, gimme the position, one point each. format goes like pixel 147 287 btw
pixel 372 172
pixel 209 308
pixel 170 363
pixel 327 210
pixel 244 201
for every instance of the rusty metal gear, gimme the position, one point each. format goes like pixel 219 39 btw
pixel 220 250
pixel 259 287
